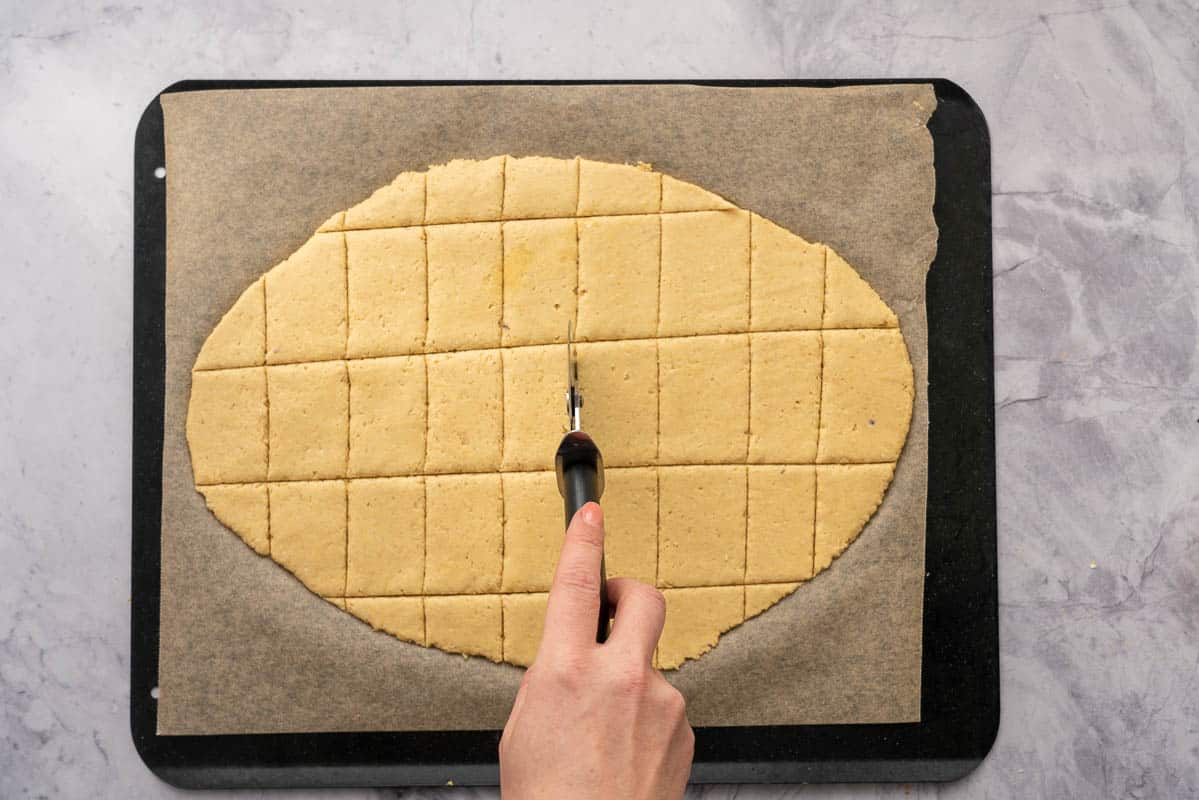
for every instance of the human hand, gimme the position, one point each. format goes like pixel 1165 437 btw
pixel 596 720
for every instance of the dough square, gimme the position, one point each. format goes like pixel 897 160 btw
pixel 386 548
pixel 704 412
pixel 705 273
pixel 618 189
pixel 787 279
pixel 524 622
pixel 701 525
pixel 540 277
pixel 469 624
pixel 534 405
pixel 465 277
pixel 867 392
pixel 387 416
pixel 534 524
pixel 226 425
pixel 619 382
pixel 847 495
pixel 402 617
pixel 465 190
pixel 242 508
pixel 239 339
pixel 782 507
pixel 695 618
pixel 306 303
pixel 308 532
pixel 618 277
pixel 386 274
pixel 466 415
pixel 399 203
pixel 630 503
pixel 784 406
pixel 309 418
pixel 464 533
pixel 540 187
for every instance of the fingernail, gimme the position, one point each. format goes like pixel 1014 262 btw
pixel 592 514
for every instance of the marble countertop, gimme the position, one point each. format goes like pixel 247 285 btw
pixel 1094 118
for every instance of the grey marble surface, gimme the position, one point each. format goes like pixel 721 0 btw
pixel 1094 118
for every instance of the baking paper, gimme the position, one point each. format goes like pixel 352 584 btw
pixel 245 648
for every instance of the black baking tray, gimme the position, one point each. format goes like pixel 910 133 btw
pixel 960 673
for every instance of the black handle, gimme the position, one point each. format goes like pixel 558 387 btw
pixel 581 487
pixel 580 471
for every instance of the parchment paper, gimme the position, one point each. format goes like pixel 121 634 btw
pixel 245 648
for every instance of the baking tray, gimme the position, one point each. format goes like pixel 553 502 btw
pixel 960 669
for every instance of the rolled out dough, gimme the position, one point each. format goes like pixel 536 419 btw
pixel 379 412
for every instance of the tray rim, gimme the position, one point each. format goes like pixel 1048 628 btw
pixel 960 667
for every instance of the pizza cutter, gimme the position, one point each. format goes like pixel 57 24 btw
pixel 580 468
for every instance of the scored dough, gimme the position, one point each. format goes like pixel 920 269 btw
pixel 379 412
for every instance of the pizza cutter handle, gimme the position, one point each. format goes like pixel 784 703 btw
pixel 580 470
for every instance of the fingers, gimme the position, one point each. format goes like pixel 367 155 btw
pixel 573 607
pixel 640 614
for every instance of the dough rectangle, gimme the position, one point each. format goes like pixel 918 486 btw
pixel 306 303
pixel 618 276
pixel 630 504
pixel 606 188
pixel 782 506
pixel 524 622
pixel 466 415
pixel 695 618
pixel 787 279
pixel 388 406
pixel 465 190
pixel 464 533
pixel 704 381
pixel 226 425
pixel 309 419
pixel 784 407
pixel 866 396
pixel 386 528
pixel 534 414
pixel 465 278
pixel 701 535
pixel 846 496
pixel 470 624
pixel 533 530
pixel 540 279
pixel 308 532
pixel 540 187
pixel 619 382
pixel 386 291
pixel 705 272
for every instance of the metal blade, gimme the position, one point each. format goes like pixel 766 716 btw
pixel 574 398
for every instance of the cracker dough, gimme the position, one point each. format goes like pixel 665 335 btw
pixel 378 413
